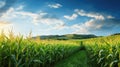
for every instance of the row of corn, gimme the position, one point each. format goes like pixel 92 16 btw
pixel 16 51
pixel 104 51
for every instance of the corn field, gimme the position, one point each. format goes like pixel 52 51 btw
pixel 104 51
pixel 16 51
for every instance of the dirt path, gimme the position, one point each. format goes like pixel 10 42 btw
pixel 79 59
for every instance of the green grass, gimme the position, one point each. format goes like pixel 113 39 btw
pixel 101 52
pixel 78 59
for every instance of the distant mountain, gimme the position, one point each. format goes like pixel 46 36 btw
pixel 116 34
pixel 67 36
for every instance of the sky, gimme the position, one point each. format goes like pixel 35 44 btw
pixel 58 17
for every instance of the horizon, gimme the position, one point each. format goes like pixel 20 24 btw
pixel 53 17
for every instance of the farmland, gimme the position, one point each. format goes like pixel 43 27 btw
pixel 16 51
pixel 59 33
pixel 105 51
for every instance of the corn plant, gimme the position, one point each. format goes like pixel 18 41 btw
pixel 16 51
pixel 104 52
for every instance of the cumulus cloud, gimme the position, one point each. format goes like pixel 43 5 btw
pixel 79 29
pixel 110 17
pixel 35 18
pixel 5 5
pixel 96 25
pixel 73 17
pixel 37 21
pixel 40 18
pixel 97 22
pixel 91 14
pixel 93 24
pixel 57 5
pixel 85 28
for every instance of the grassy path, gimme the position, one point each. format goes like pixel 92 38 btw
pixel 79 59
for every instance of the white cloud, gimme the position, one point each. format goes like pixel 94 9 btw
pixel 87 27
pixel 110 17
pixel 96 23
pixel 93 24
pixel 40 18
pixel 73 17
pixel 2 4
pixel 91 14
pixel 57 5
pixel 53 23
pixel 35 18
pixel 79 29
pixel 8 14
pixel 43 21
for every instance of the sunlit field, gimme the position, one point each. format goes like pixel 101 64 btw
pixel 16 51
pixel 104 51
pixel 59 33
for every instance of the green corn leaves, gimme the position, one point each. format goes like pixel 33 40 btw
pixel 104 51
pixel 15 51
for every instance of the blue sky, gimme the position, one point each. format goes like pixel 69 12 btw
pixel 58 17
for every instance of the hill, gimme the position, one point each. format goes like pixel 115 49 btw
pixel 67 36
pixel 116 34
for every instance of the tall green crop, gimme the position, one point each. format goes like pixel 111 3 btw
pixel 15 51
pixel 104 52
